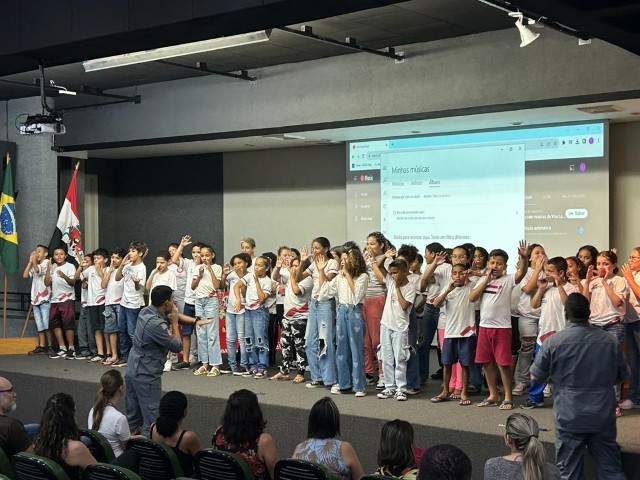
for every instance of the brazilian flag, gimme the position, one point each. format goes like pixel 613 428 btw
pixel 8 230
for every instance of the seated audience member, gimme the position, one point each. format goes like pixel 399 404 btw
pixel 395 453
pixel 104 415
pixel 445 462
pixel 241 431
pixel 168 430
pixel 59 438
pixel 323 446
pixel 527 458
pixel 13 436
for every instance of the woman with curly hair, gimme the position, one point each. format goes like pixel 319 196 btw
pixel 349 288
pixel 58 437
pixel 241 431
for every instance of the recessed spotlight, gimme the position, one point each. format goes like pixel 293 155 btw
pixel 516 124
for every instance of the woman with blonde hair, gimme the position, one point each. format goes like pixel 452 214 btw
pixel 527 459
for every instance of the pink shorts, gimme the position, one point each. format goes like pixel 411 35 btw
pixel 494 345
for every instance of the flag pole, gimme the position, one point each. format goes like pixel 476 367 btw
pixel 4 307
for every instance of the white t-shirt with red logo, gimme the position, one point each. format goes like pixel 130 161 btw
pixel 251 296
pixel 393 315
pixel 40 293
pixel 495 307
pixel 61 291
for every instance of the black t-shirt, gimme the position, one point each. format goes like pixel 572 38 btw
pixel 13 436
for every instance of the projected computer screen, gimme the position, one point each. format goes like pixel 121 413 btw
pixel 547 184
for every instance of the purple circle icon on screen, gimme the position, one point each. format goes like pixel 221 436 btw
pixel 583 167
pixel 590 140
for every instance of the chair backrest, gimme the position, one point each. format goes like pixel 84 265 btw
pixel 6 468
pixel 106 471
pixel 32 467
pixel 99 446
pixel 157 460
pixel 296 469
pixel 4 477
pixel 373 476
pixel 213 464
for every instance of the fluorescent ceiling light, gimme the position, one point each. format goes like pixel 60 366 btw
pixel 175 51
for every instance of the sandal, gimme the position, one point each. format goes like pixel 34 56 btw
pixel 298 379
pixel 109 361
pixel 487 402
pixel 280 376
pixel 465 401
pixel 473 389
pixel 455 396
pixel 201 371
pixel 214 372
pixel 506 405
pixel 438 399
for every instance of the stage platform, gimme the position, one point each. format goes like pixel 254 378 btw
pixel 478 431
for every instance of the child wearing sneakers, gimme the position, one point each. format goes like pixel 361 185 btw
pixel 394 326
pixel 95 302
pixel 113 294
pixel 553 290
pixel 258 288
pixel 133 270
pixel 40 298
pixel 459 330
pixel 86 340
pixel 494 338
pixel 206 282
pixel 60 276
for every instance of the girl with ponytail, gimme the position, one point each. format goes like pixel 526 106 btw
pixel 104 415
pixel 527 460
pixel 168 430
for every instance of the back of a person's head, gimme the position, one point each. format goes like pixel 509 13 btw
pixel 57 427
pixel 324 419
pixel 445 462
pixel 160 294
pixel 523 431
pixel 173 407
pixel 242 419
pixel 396 445
pixel 577 308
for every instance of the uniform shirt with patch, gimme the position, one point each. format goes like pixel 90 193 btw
pixel 339 289
pixel 168 278
pixel 189 293
pixel 495 307
pixel 603 311
pixel 524 304
pixel 296 307
pixel 206 288
pixel 132 298
pixel 61 291
pixel 40 293
pixel 182 278
pixel 95 292
pixel 461 314
pixel 331 267
pixel 113 292
pixel 393 316
pixel 552 312
pixel 251 296
pixel 232 279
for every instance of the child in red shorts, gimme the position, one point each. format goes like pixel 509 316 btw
pixel 494 338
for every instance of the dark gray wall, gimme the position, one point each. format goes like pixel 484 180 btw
pixel 157 200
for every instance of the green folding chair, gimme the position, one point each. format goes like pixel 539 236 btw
pixel 214 464
pixel 99 446
pixel 6 468
pixel 33 467
pixel 157 460
pixel 296 469
pixel 106 471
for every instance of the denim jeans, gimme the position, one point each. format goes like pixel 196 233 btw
pixel 536 388
pixel 350 329
pixel 86 337
pixel 41 316
pixel 632 332
pixel 234 324
pixel 429 325
pixel 319 342
pixel 528 328
pixel 617 331
pixel 256 327
pixel 127 319
pixel 413 368
pixel 209 335
pixel 395 353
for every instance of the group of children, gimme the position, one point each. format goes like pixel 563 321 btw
pixel 343 310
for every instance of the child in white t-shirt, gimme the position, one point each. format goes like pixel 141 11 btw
pixel 113 295
pixel 86 339
pixel 232 273
pixel 394 326
pixel 552 291
pixel 459 331
pixel 40 298
pixel 162 274
pixel 61 277
pixel 96 301
pixel 134 272
pixel 206 282
pixel 258 286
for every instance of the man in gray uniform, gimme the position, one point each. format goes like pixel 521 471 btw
pixel 156 332
pixel 585 364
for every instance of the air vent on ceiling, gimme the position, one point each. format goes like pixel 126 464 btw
pixel 284 136
pixel 601 109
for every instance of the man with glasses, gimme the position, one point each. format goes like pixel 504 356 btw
pixel 13 436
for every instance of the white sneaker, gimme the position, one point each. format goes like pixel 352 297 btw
pixel 335 390
pixel 167 365
pixel 547 391
pixel 401 396
pixel 380 384
pixel 519 389
pixel 361 394
pixel 386 394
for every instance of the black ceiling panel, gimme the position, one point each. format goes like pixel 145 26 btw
pixel 45 23
pixel 97 18
pixel 153 13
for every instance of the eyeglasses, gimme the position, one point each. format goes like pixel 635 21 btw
pixel 631 257
pixel 7 390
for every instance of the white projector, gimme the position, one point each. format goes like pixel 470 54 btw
pixel 43 125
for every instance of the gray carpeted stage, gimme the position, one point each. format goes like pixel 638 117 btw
pixel 478 431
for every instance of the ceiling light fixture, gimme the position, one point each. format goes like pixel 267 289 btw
pixel 526 35
pixel 176 51
pixel 61 90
